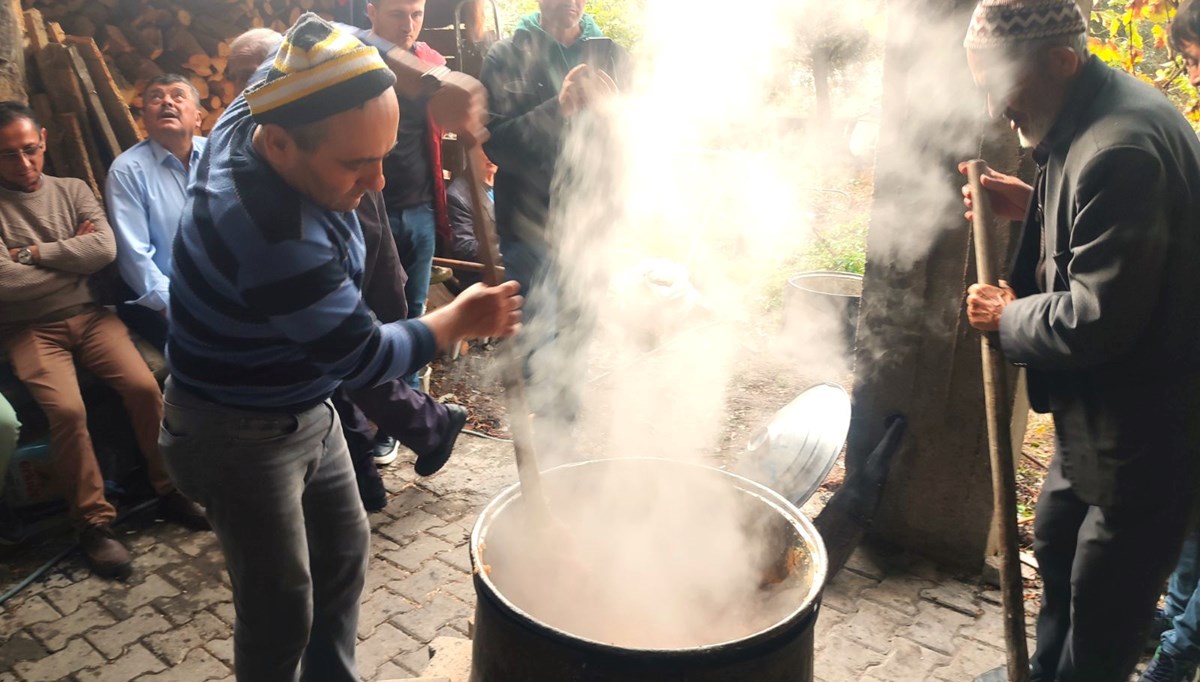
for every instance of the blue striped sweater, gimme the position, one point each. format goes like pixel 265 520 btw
pixel 266 307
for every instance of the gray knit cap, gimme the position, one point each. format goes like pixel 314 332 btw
pixel 1003 23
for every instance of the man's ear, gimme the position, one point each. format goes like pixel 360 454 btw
pixel 1064 62
pixel 199 118
pixel 277 142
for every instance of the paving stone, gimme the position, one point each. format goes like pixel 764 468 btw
pixel 955 595
pixel 224 612
pixel 424 622
pixel 909 661
pixel 873 626
pixel 112 640
pixel 222 649
pixel 56 634
pixel 842 593
pixel 198 543
pixel 198 590
pixel 826 622
pixel 989 627
pixel 385 643
pixel 450 657
pixel 174 645
pixel 198 666
pixel 388 672
pixel 68 599
pixel 380 606
pixel 138 660
pixel 450 509
pixel 76 655
pixel 431 579
pixel 34 609
pixel 415 554
pixel 845 661
pixel 20 646
pixel 406 528
pixel 380 572
pixel 123 600
pixel 8 677
pixel 455 532
pixel 901 592
pixel 970 659
pixel 936 628
pixel 414 661
pixel 459 557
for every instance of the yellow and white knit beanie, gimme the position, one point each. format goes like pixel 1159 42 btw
pixel 318 72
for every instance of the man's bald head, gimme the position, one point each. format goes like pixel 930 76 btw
pixel 247 52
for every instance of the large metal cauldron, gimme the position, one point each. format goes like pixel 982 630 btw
pixel 512 645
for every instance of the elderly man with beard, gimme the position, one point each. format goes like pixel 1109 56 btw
pixel 145 191
pixel 1103 310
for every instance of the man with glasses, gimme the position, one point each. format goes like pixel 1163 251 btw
pixel 145 193
pixel 56 236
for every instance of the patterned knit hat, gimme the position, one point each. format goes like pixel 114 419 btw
pixel 318 72
pixel 1003 23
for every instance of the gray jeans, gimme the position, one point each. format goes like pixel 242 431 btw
pixel 279 491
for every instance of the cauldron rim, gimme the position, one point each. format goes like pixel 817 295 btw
pixel 802 525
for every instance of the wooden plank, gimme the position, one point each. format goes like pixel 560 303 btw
pixel 68 138
pixel 119 116
pixel 110 148
pixel 56 33
pixel 40 103
pixel 12 54
pixel 54 62
pixel 35 29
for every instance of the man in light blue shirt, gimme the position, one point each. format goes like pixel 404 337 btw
pixel 145 193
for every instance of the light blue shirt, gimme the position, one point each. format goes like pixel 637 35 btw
pixel 145 192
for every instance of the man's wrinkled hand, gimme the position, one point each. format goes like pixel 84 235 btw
pixel 584 87
pixel 85 227
pixel 986 303
pixel 1009 194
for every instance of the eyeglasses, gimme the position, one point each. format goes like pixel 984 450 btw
pixel 29 152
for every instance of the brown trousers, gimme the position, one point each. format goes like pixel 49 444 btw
pixel 43 358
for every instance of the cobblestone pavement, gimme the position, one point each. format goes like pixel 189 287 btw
pixel 884 619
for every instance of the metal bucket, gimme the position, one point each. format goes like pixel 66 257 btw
pixel 510 643
pixel 827 300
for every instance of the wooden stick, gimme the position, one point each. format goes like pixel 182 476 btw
pixel 465 266
pixel 513 371
pixel 1004 477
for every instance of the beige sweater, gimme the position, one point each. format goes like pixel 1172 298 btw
pixel 49 217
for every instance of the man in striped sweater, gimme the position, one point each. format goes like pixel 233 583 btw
pixel 267 320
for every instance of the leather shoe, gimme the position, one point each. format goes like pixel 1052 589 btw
pixel 105 554
pixel 177 508
pixel 429 463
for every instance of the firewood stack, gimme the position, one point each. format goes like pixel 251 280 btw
pixel 141 39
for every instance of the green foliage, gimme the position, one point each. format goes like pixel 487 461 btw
pixel 1132 35
pixel 619 19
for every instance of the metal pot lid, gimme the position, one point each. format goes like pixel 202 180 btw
pixel 794 452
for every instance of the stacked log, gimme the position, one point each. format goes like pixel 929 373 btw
pixel 142 39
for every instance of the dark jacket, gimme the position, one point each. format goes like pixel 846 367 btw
pixel 1108 321
pixel 463 244
pixel 383 275
pixel 523 75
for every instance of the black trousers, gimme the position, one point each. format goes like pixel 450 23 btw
pixel 408 415
pixel 1102 571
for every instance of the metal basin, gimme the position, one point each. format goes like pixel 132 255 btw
pixel 526 629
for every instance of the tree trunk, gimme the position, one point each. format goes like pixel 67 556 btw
pixel 916 354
